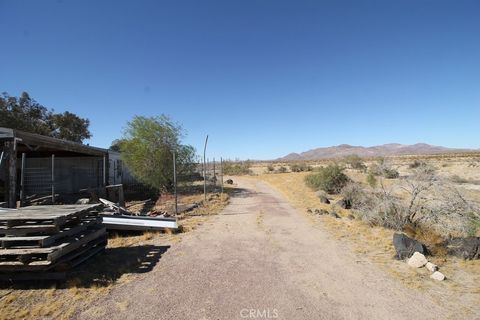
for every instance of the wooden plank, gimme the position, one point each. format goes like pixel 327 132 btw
pixel 29 230
pixel 36 213
pixel 80 255
pixel 47 240
pixel 65 248
pixel 59 250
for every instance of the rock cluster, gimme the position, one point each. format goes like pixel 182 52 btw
pixel 415 251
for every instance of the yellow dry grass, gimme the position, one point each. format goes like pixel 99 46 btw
pixel 102 274
pixel 460 293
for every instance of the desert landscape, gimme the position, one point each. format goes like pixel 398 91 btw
pixel 219 160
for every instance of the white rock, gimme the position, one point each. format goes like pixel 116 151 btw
pixel 437 275
pixel 418 260
pixel 431 267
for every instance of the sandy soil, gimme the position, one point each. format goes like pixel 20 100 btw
pixel 260 258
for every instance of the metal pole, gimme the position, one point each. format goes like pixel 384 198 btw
pixel 22 180
pixel 205 170
pixel 53 179
pixel 175 183
pixel 221 173
pixel 214 177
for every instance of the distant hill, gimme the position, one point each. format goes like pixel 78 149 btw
pixel 390 149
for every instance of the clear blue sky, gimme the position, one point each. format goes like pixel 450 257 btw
pixel 262 78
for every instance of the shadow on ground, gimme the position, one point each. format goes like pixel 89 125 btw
pixel 103 269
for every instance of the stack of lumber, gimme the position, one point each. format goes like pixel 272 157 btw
pixel 43 242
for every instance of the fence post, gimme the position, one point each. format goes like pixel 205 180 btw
pixel 221 173
pixel 205 171
pixel 53 179
pixel 12 173
pixel 214 177
pixel 22 182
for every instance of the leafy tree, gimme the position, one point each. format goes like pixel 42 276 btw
pixel 147 150
pixel 116 145
pixel 24 113
pixel 69 126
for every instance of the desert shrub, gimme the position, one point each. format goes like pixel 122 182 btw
pixel 270 168
pixel 237 168
pixel 355 162
pixel 330 179
pixel 390 173
pixel 300 167
pixel 382 209
pixel 355 194
pixel 371 180
pixel 383 168
pixel 282 169
pixel 421 200
pixel 416 164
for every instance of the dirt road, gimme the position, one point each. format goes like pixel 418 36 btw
pixel 261 259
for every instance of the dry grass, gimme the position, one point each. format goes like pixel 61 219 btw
pixel 460 293
pixel 126 254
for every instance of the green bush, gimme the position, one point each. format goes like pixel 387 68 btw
pixel 390 173
pixel 330 179
pixel 355 162
pixel 300 167
pixel 237 168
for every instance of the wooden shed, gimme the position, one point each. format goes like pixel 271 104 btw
pixel 36 164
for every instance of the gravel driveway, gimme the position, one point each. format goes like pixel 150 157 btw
pixel 261 259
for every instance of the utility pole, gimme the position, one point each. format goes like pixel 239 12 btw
pixel 205 170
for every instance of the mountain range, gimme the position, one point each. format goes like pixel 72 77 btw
pixel 391 149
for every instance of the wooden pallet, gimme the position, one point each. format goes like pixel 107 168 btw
pixel 42 216
pixel 52 253
pixel 41 241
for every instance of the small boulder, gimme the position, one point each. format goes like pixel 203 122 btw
pixel 405 246
pixel 229 181
pixel 334 214
pixel 437 275
pixel 418 260
pixel 466 248
pixel 344 204
pixel 351 217
pixel 431 267
pixel 324 199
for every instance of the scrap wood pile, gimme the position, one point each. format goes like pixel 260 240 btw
pixel 43 242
